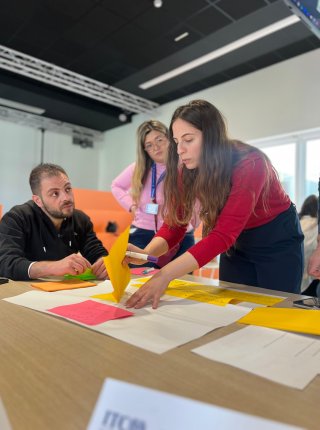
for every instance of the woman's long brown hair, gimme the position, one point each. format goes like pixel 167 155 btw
pixel 210 182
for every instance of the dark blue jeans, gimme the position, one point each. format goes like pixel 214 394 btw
pixel 141 237
pixel 269 256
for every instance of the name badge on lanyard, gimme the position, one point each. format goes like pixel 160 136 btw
pixel 153 208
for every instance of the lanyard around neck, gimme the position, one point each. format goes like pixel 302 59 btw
pixel 155 182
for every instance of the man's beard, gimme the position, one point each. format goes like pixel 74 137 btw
pixel 58 214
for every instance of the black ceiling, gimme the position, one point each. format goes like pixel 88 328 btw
pixel 126 42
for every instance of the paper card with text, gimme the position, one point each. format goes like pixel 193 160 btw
pixel 127 406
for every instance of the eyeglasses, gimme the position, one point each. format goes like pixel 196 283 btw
pixel 158 141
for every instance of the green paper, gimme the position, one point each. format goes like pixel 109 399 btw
pixel 87 275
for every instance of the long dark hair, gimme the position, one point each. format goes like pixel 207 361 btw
pixel 210 182
pixel 309 207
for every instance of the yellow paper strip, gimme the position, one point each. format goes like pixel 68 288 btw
pixel 109 297
pixel 210 294
pixel 297 320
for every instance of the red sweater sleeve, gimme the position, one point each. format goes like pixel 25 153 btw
pixel 247 183
pixel 172 235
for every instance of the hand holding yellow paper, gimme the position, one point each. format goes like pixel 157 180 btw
pixel 119 273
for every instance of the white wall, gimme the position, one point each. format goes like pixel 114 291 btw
pixel 280 99
pixel 20 151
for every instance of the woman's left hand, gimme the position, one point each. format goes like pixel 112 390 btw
pixel 150 291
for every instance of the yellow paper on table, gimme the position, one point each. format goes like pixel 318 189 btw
pixel 210 294
pixel 119 274
pixel 297 320
pixel 109 297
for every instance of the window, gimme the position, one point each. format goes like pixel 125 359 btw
pixel 312 166
pixel 297 161
pixel 283 158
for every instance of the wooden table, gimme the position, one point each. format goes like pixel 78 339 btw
pixel 51 372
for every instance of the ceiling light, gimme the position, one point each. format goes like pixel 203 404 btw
pixel 181 36
pixel 221 51
pixel 21 106
pixel 123 117
pixel 157 3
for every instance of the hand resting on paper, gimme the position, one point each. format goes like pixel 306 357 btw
pixel 152 290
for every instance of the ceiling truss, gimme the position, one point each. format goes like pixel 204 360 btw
pixel 51 74
pixel 43 123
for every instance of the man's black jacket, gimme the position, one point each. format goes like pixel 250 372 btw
pixel 27 234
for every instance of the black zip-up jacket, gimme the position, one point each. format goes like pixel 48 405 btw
pixel 27 234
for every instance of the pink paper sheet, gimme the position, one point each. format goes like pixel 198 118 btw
pixel 143 271
pixel 90 312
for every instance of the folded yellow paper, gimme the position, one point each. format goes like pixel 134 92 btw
pixel 297 320
pixel 119 274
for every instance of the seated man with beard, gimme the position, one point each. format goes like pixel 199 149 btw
pixel 47 236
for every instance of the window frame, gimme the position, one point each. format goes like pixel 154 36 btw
pixel 300 140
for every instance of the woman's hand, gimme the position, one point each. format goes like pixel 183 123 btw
pixel 137 261
pixel 151 291
pixel 133 209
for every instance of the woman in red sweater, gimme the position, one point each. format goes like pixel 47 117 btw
pixel 247 216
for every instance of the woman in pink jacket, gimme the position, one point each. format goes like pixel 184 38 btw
pixel 139 189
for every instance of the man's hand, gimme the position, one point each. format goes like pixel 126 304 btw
pixel 99 269
pixel 73 264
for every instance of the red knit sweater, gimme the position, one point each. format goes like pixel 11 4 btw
pixel 243 210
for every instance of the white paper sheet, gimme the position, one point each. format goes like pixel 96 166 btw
pixel 42 300
pixel 282 357
pixel 122 405
pixel 174 323
pixel 4 421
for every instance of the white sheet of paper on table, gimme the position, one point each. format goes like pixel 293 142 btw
pixel 287 358
pixel 174 323
pixel 4 420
